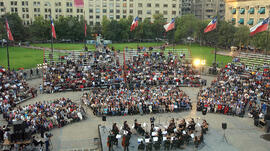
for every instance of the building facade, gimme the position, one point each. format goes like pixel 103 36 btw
pixel 94 10
pixel 247 12
pixel 207 9
pixel 187 7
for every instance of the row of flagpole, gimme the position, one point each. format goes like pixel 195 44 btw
pixel 260 27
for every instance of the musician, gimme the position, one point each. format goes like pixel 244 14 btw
pixel 138 128
pixel 167 143
pixel 191 126
pixel 110 141
pixel 141 146
pixel 126 127
pixel 126 143
pixel 115 131
pixel 204 126
pixel 182 125
pixel 171 127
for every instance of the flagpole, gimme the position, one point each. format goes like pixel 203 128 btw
pixel 51 35
pixel 84 32
pixel 267 41
pixel 8 56
pixel 7 45
pixel 217 40
pixel 7 52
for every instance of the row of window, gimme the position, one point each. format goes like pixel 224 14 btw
pixel 70 4
pixel 250 21
pixel 70 10
pixel 250 11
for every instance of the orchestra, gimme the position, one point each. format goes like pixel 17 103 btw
pixel 173 136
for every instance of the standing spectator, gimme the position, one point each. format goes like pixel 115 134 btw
pixel 31 72
pixel 24 75
pixel 37 71
pixel 40 89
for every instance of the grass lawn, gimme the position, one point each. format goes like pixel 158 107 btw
pixel 121 46
pixel 204 52
pixel 20 57
pixel 65 46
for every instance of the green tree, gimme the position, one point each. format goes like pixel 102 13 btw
pixel 187 26
pixel 241 36
pixel 40 29
pixel 158 24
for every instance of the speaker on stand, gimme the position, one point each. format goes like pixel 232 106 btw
pixel 104 119
pixel 204 111
pixel 224 127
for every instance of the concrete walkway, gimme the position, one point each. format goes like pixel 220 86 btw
pixel 241 134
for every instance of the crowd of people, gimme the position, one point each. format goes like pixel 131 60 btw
pixel 170 137
pixel 156 99
pixel 13 89
pixel 147 69
pixel 235 90
pixel 41 117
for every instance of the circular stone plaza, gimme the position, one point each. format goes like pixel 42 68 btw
pixel 79 110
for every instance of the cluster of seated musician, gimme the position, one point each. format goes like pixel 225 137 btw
pixel 175 136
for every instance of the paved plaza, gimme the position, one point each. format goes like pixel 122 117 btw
pixel 241 134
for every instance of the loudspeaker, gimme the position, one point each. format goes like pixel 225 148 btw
pixel 104 118
pixel 204 111
pixel 224 126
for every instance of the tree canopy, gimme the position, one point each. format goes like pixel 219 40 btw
pixel 72 28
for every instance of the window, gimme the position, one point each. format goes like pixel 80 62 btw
pixel 140 12
pixel 131 11
pixel 262 10
pixel 124 11
pixel 139 4
pixel 1 3
pixel 117 16
pixel 130 5
pixel 148 5
pixel 97 17
pixel 241 21
pixel 90 17
pixel 174 12
pixel 173 5
pixel 165 12
pixel 104 10
pixel 111 10
pixel 90 10
pixel 157 5
pixel 156 12
pixel 251 21
pixel 117 11
pixel 148 12
pixel 124 5
pixel 97 10
pixel 165 5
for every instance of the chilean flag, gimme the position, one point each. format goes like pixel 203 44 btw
pixel 134 24
pixel 211 26
pixel 53 29
pixel 260 27
pixel 170 25
pixel 9 34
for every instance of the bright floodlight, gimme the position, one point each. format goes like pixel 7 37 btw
pixel 203 62
pixel 197 62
